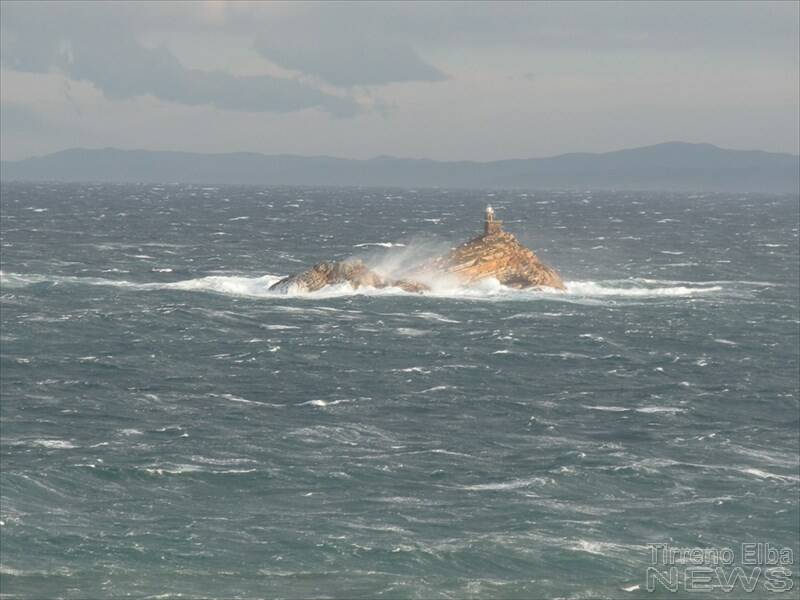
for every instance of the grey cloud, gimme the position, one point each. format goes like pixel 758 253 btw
pixel 351 43
pixel 720 26
pixel 98 46
pixel 18 118
pixel 740 27
pixel 347 61
pixel 156 71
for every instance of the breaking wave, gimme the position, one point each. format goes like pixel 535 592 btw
pixel 637 289
pixel 258 287
pixel 222 284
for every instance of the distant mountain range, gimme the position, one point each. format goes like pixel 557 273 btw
pixel 675 166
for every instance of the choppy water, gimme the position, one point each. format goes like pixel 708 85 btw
pixel 171 428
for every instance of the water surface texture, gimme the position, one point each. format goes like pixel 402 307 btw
pixel 170 427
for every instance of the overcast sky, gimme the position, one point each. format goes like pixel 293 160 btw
pixel 477 81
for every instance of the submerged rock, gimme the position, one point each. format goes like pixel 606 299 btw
pixel 495 254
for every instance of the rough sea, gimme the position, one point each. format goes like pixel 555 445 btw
pixel 171 429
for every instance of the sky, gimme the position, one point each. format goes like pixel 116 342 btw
pixel 447 81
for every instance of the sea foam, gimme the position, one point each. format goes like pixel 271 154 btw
pixel 258 287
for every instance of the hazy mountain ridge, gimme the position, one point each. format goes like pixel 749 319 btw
pixel 667 166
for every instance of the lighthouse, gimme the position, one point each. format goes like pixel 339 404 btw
pixel 491 225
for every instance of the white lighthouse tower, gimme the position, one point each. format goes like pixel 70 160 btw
pixel 491 225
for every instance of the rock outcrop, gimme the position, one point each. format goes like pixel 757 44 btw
pixel 495 254
pixel 354 272
pixel 500 255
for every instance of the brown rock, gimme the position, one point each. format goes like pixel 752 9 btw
pixel 500 255
pixel 496 254
pixel 411 286
pixel 323 274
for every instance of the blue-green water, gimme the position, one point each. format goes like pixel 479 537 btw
pixel 172 429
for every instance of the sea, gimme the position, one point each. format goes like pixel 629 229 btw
pixel 173 429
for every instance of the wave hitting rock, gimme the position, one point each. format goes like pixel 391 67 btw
pixel 496 254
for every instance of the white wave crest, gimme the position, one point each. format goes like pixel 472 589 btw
pixel 58 444
pixel 635 289
pixel 514 484
pixel 381 244
pixel 230 285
